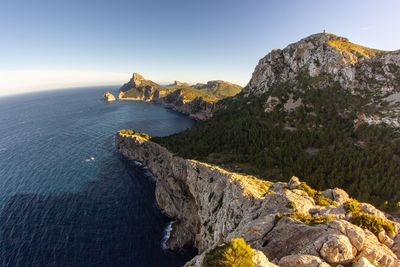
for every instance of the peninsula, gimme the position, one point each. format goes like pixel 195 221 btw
pixel 198 101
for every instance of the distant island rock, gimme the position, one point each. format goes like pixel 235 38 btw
pixel 197 101
pixel 108 96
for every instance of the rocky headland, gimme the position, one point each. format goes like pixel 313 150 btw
pixel 290 223
pixel 198 101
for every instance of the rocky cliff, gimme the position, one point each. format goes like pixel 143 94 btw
pixel 370 73
pixel 290 223
pixel 197 101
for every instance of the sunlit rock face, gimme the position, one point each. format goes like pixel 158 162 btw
pixel 282 220
pixel 363 71
pixel 109 97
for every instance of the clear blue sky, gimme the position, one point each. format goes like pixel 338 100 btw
pixel 186 40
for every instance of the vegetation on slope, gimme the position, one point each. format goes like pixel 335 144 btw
pixel 317 141
pixel 343 45
pixel 235 253
pixel 133 132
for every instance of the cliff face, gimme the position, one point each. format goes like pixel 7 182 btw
pixel 197 101
pixel 292 224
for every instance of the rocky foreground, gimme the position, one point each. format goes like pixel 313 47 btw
pixel 289 223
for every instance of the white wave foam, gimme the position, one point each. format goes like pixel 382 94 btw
pixel 90 159
pixel 167 234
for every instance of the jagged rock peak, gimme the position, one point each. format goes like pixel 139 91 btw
pixel 137 79
pixel 347 63
pixel 180 84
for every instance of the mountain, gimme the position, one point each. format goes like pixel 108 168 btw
pixel 323 108
pixel 198 100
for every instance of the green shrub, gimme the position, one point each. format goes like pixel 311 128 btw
pixel 127 131
pixel 144 135
pixel 319 199
pixel 373 223
pixel 133 132
pixel 307 218
pixel 306 188
pixel 352 206
pixel 236 253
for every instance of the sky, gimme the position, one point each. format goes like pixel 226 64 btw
pixel 47 44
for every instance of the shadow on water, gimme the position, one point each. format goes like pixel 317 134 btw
pixel 112 221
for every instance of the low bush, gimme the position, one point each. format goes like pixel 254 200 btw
pixel 373 223
pixel 133 132
pixel 352 206
pixel 319 199
pixel 127 131
pixel 236 253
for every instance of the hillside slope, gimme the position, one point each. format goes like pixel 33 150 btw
pixel 324 109
pixel 198 100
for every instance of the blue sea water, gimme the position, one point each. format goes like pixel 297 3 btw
pixel 67 198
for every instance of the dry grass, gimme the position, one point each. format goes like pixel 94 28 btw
pixel 359 50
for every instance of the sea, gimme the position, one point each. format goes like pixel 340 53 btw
pixel 67 198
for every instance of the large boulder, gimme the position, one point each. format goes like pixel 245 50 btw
pixel 337 249
pixel 302 261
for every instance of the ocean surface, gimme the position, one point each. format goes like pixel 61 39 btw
pixel 67 198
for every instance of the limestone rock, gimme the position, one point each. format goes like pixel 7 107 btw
pixel 294 182
pixel 337 194
pixel 337 249
pixel 363 262
pixel 109 97
pixel 260 260
pixel 302 261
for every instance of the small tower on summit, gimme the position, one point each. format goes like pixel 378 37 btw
pixel 324 32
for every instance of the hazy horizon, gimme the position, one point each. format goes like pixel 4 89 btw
pixel 49 45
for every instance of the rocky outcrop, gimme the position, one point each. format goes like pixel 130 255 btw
pixel 108 96
pixel 285 221
pixel 180 84
pixel 198 101
pixel 358 70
